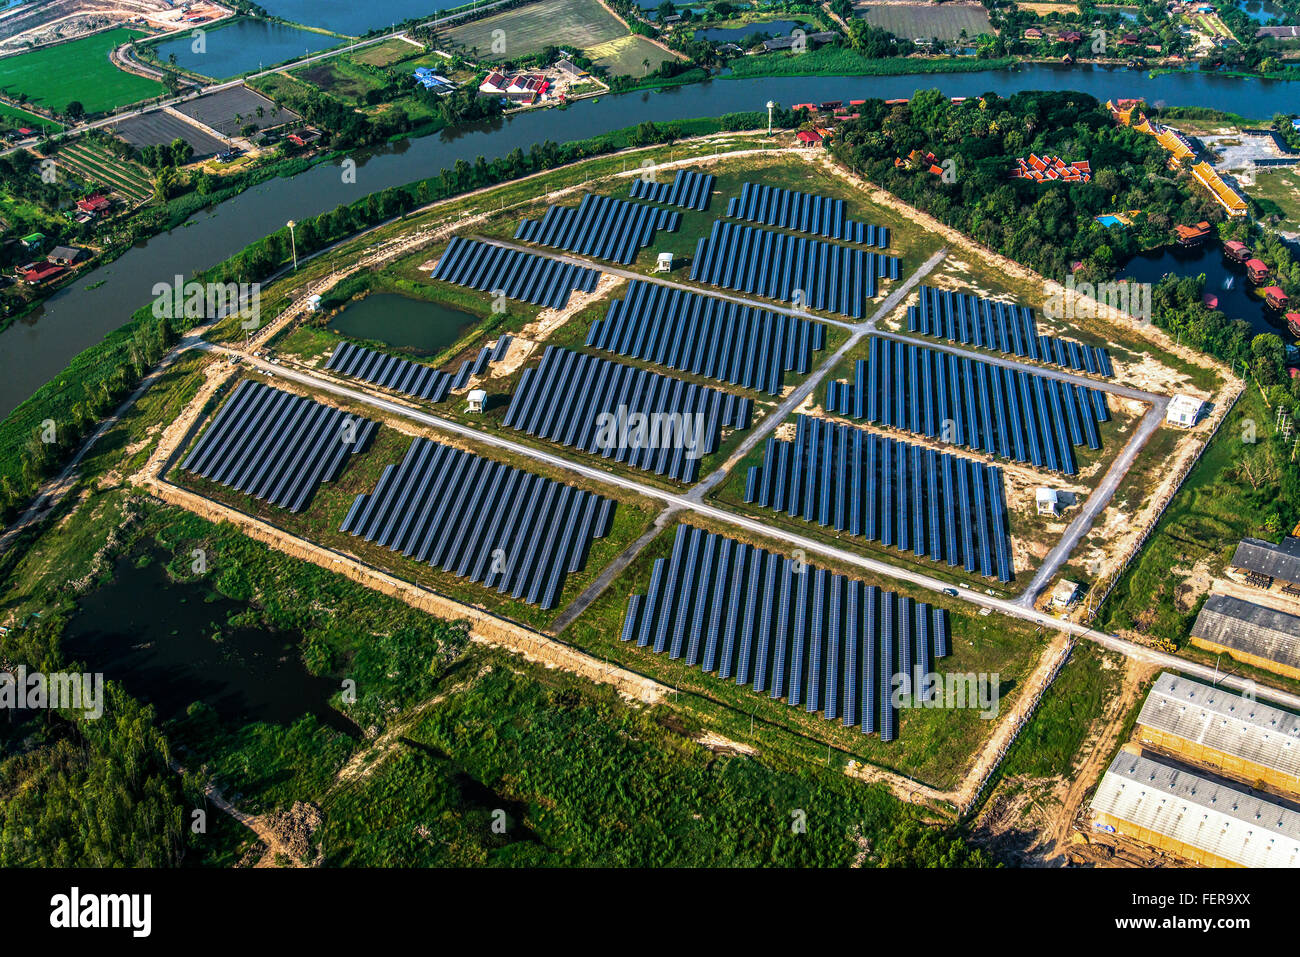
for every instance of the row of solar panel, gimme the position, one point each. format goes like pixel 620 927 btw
pixel 804 213
pixel 940 506
pixel 641 418
pixel 1002 327
pixel 810 273
pixel 600 226
pixel 708 336
pixel 276 446
pixel 389 372
pixel 499 526
pixel 688 189
pixel 829 643
pixel 1019 415
pixel 526 277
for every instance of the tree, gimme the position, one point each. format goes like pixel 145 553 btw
pixel 75 110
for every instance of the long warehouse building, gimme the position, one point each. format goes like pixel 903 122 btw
pixel 1218 729
pixel 1193 817
pixel 1254 634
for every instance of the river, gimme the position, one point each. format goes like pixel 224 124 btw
pixel 33 351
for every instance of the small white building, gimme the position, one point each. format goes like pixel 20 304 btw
pixel 664 263
pixel 1183 411
pixel 313 303
pixel 1066 592
pixel 1048 501
pixel 477 400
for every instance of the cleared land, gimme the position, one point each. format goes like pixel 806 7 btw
pixel 227 111
pixel 387 53
pixel 339 78
pixel 909 20
pixel 579 23
pixel 79 70
pixel 627 56
pixel 159 127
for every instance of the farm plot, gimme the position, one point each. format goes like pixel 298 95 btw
pixel 228 111
pixel 79 70
pixel 629 56
pixel 910 20
pixel 581 23
pixel 98 167
pixel 20 118
pixel 159 127
pixel 338 78
pixel 387 53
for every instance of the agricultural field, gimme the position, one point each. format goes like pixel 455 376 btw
pixel 20 118
pixel 93 164
pixel 79 70
pixel 339 78
pixel 910 20
pixel 629 56
pixel 580 23
pixel 387 53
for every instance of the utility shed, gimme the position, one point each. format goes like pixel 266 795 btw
pixel 1219 729
pixel 1255 634
pixel 1048 502
pixel 1266 560
pixel 1183 411
pixel 1175 810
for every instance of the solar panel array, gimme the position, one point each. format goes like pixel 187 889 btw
pixel 527 277
pixel 276 446
pixel 808 272
pixel 499 526
pixel 596 405
pixel 804 213
pixel 708 336
pixel 688 189
pixel 1002 327
pixel 938 506
pixel 389 372
pixel 832 644
pixel 1019 415
pixel 600 226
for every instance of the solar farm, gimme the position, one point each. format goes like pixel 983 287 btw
pixel 699 472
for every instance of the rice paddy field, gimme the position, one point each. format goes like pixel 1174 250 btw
pixel 575 23
pixel 909 20
pixel 627 56
pixel 78 70
pixel 22 118
pixel 386 53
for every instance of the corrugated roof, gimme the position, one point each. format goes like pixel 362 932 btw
pixel 1198 812
pixel 1276 561
pixel 1255 629
pixel 1225 721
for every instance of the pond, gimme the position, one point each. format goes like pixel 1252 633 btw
pixel 169 644
pixel 1262 11
pixel 1224 279
pixel 424 328
pixel 773 28
pixel 242 46
pixel 352 18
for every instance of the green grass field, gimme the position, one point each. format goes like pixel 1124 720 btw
pixel 627 56
pixel 386 53
pixel 577 23
pixel 23 118
pixel 79 70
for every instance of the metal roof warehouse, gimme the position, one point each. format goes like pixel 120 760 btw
pixel 1195 817
pixel 1232 733
pixel 1250 633
pixel 1264 558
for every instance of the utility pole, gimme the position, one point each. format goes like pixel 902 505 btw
pixel 771 105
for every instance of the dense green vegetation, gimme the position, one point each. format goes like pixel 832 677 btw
pixel 1245 484
pixel 1047 226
